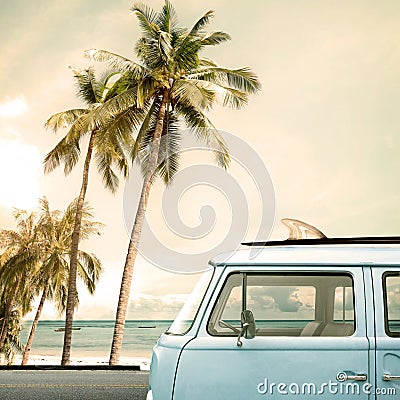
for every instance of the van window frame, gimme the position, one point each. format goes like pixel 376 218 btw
pixel 245 273
pixel 167 332
pixel 385 303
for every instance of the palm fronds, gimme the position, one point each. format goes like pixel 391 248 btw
pixel 36 255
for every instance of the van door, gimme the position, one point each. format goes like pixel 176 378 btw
pixel 387 313
pixel 310 337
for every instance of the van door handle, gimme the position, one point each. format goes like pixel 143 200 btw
pixel 360 377
pixel 389 378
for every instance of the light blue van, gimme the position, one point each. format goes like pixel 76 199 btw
pixel 314 318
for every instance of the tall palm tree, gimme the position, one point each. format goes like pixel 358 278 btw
pixel 106 144
pixel 171 83
pixel 18 264
pixel 52 276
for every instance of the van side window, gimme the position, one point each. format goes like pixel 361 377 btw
pixel 343 307
pixel 286 305
pixel 391 288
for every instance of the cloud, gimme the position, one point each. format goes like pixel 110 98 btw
pixel 13 107
pixel 20 166
pixel 87 311
pixel 155 307
pixel 285 299
pixel 393 289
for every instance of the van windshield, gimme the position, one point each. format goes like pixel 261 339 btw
pixel 183 322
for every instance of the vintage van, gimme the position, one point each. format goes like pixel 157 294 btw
pixel 306 318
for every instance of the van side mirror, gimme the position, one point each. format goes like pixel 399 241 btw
pixel 248 327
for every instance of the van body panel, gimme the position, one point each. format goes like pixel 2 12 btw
pixel 163 365
pixel 216 368
pixel 387 348
pixel 222 371
pixel 370 323
pixel 207 363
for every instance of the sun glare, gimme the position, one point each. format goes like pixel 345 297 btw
pixel 13 107
pixel 20 166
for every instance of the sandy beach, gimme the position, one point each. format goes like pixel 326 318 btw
pixel 143 362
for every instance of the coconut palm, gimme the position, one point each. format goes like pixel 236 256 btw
pixel 106 144
pixel 52 276
pixel 171 84
pixel 12 344
pixel 18 263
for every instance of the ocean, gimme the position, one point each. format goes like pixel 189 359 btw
pixel 92 338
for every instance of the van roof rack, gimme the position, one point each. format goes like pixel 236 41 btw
pixel 329 241
pixel 302 233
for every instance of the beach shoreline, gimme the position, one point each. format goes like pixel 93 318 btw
pixel 35 359
pixel 91 344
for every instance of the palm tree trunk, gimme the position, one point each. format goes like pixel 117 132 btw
pixel 7 312
pixel 124 293
pixel 4 325
pixel 71 298
pixel 28 346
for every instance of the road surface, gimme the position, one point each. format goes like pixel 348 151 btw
pixel 81 384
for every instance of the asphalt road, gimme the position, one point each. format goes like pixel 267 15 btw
pixel 82 384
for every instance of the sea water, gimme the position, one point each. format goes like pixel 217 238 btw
pixel 92 339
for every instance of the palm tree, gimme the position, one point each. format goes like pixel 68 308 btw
pixel 171 83
pixel 12 344
pixel 18 264
pixel 107 144
pixel 52 277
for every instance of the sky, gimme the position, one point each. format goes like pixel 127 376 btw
pixel 325 127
